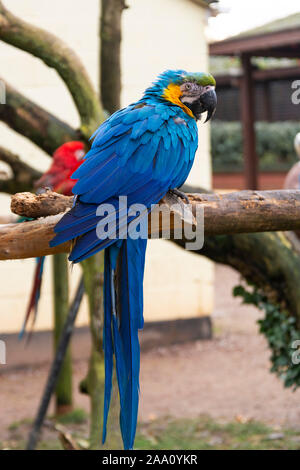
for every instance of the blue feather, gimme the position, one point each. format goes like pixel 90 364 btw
pixel 107 343
pixel 140 152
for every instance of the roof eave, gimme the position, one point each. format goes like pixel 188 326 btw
pixel 257 42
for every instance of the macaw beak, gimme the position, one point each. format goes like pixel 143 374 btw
pixel 208 101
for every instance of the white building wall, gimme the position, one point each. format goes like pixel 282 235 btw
pixel 157 35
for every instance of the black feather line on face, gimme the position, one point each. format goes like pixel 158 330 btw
pixel 206 102
pixel 197 108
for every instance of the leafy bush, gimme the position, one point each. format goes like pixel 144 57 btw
pixel 281 333
pixel 274 145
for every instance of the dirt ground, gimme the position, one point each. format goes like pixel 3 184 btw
pixel 226 378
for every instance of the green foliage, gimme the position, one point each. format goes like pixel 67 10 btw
pixel 274 145
pixel 204 433
pixel 280 331
pixel 76 416
pixel 200 433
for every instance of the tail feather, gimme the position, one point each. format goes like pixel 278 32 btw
pixel 123 315
pixel 34 296
pixel 107 340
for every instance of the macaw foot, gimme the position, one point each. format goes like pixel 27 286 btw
pixel 180 194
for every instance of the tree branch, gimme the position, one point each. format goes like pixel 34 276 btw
pixel 24 175
pixel 30 120
pixel 40 205
pixel 54 53
pixel 266 260
pixel 29 239
pixel 238 212
pixel 245 211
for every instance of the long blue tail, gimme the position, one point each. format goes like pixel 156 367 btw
pixel 123 317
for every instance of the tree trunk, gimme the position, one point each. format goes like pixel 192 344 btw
pixel 110 67
pixel 63 390
pixel 56 54
pixel 266 260
pixel 32 121
pixel 23 176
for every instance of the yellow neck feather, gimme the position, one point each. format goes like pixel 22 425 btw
pixel 172 93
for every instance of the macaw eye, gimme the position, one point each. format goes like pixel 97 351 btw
pixel 79 154
pixel 188 86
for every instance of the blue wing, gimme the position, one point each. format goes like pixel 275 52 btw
pixel 139 152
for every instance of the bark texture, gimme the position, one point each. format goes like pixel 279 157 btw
pixel 30 120
pixel 63 389
pixel 22 175
pixel 55 54
pixel 110 66
pixel 38 205
pixel 238 212
pixel 266 260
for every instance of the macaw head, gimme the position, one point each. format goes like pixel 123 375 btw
pixel 69 154
pixel 193 92
pixel 66 159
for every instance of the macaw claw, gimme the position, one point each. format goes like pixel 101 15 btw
pixel 180 194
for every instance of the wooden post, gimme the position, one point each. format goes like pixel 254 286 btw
pixel 63 391
pixel 248 119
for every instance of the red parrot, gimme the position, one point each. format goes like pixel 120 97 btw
pixel 66 159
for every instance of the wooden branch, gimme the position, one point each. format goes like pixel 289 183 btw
pixel 30 120
pixel 266 260
pixel 29 239
pixel 56 54
pixel 24 175
pixel 238 212
pixel 249 211
pixel 245 211
pixel 34 206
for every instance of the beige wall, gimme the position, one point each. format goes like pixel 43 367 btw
pixel 157 35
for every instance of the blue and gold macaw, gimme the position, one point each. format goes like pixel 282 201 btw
pixel 141 152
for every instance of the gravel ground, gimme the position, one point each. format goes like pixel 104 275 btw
pixel 227 378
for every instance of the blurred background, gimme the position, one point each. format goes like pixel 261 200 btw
pixel 205 370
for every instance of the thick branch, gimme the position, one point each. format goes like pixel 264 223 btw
pixel 244 211
pixel 32 121
pixel 54 53
pixel 265 260
pixel 239 212
pixel 40 205
pixel 29 239
pixel 24 175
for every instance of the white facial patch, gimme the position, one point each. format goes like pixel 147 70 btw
pixel 190 99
